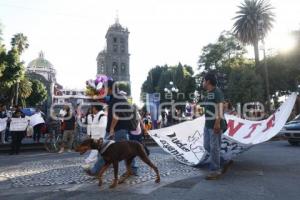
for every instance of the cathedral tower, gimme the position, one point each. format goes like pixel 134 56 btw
pixel 113 61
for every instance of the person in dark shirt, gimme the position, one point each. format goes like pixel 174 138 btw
pixel 215 125
pixel 17 136
pixel 117 128
pixel 69 130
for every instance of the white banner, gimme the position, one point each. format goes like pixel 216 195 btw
pixel 185 140
pixel 36 119
pixel 18 124
pixel 3 124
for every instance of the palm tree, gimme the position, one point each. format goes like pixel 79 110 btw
pixel 253 21
pixel 20 42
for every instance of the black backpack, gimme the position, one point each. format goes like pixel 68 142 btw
pixel 134 121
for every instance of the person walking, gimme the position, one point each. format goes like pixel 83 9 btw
pixel 117 127
pixel 68 130
pixel 136 135
pixel 97 131
pixel 215 125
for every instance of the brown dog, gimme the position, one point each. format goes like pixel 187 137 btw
pixel 116 152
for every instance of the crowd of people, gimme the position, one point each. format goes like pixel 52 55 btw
pixel 106 121
pixel 11 133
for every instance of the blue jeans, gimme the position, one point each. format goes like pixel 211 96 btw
pixel 119 136
pixel 137 138
pixel 212 144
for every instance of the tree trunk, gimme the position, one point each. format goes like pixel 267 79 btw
pixel 256 54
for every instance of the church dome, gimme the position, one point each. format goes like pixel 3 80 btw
pixel 40 62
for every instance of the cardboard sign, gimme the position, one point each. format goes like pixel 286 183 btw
pixel 18 124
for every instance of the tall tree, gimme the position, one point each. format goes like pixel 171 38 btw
pixel 20 42
pixel 160 77
pixel 214 55
pixel 253 21
pixel 245 85
pixel 24 90
pixel 38 95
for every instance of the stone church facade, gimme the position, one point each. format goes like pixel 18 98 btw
pixel 113 61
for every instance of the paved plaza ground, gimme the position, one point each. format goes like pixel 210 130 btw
pixel 267 171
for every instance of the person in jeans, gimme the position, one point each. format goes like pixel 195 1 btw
pixel 215 125
pixel 116 128
pixel 97 131
pixel 69 130
pixel 136 135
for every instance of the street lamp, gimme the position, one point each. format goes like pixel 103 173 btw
pixel 171 88
pixel 260 32
pixel 17 92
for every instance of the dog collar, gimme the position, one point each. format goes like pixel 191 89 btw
pixel 105 145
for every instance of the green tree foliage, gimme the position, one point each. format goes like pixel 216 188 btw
pixel 214 55
pixel 19 42
pixel 284 70
pixel 124 86
pixel 226 59
pixel 245 85
pixel 38 94
pixel 253 21
pixel 12 70
pixel 2 59
pixel 159 78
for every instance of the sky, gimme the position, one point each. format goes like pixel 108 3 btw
pixel 71 33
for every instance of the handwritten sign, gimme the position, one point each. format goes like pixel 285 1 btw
pixel 3 124
pixel 18 124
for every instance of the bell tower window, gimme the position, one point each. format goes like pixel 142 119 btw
pixel 115 48
pixel 123 67
pixel 115 68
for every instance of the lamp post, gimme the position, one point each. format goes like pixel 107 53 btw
pixel 170 89
pixel 260 32
pixel 17 92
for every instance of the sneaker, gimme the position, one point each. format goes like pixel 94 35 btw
pixel 69 151
pixel 88 172
pixel 213 176
pixel 61 150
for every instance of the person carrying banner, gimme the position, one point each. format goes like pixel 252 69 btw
pixel 37 122
pixel 17 135
pixel 215 126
